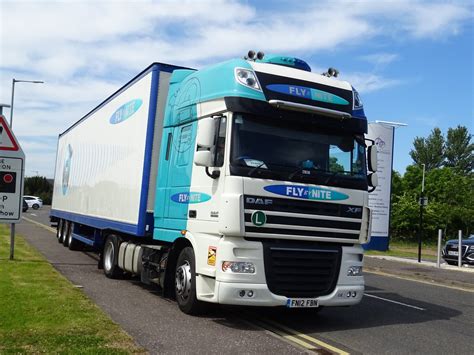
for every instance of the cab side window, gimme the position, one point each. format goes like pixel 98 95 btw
pixel 220 142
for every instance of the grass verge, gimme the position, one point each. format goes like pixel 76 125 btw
pixel 42 312
pixel 408 250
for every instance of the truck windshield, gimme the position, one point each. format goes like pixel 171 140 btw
pixel 297 151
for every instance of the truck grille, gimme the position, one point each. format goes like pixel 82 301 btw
pixel 301 269
pixel 291 218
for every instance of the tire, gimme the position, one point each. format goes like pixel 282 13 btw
pixel 58 230
pixel 73 244
pixel 35 206
pixel 67 230
pixel 454 263
pixel 62 231
pixel 110 257
pixel 185 283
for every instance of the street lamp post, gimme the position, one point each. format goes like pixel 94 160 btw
pixel 422 203
pixel 12 226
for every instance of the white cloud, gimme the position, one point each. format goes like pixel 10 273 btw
pixel 380 59
pixel 368 82
pixel 84 50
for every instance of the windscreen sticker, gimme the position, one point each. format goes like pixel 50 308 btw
pixel 190 197
pixel 306 192
pixel 254 163
pixel 125 111
pixel 308 93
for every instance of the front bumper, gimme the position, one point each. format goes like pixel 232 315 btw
pixel 230 293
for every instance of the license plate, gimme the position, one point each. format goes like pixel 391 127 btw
pixel 456 253
pixel 302 303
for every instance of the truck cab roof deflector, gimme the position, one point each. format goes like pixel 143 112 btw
pixel 307 108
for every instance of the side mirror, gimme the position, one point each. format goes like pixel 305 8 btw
pixel 372 155
pixel 373 180
pixel 206 134
pixel 203 158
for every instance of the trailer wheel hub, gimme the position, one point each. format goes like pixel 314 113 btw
pixel 183 280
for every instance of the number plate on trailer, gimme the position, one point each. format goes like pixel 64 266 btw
pixel 302 303
pixel 456 253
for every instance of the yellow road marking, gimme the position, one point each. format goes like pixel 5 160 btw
pixel 52 230
pixel 381 273
pixel 288 337
pixel 309 338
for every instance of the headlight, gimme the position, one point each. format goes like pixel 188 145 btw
pixel 471 247
pixel 354 271
pixel 240 267
pixel 247 78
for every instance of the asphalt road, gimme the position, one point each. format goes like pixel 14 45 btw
pixel 397 316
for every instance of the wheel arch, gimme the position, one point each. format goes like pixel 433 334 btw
pixel 178 245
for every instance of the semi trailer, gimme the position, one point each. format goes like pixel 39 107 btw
pixel 243 183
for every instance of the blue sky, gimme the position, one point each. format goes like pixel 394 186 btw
pixel 412 61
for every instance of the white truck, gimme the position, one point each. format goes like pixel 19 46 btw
pixel 243 183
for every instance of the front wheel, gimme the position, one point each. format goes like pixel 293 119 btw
pixel 185 283
pixel 35 206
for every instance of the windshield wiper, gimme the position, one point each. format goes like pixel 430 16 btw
pixel 251 171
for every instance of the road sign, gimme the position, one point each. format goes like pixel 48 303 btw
pixel 423 201
pixel 12 167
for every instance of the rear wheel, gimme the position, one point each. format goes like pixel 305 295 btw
pixel 110 256
pixel 62 231
pixel 67 230
pixel 73 244
pixel 185 283
pixel 58 229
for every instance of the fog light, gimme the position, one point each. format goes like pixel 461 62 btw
pixel 242 293
pixel 239 267
pixel 250 293
pixel 354 271
pixel 348 294
pixel 354 293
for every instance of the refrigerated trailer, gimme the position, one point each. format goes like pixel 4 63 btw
pixel 243 183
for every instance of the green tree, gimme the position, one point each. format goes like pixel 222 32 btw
pixel 397 188
pixel 450 206
pixel 459 152
pixel 39 186
pixel 429 151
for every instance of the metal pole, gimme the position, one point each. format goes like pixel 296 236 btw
pixel 420 231
pixel 12 226
pixel 440 236
pixel 460 248
pixel 11 105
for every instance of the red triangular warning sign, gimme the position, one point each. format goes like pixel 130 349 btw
pixel 7 139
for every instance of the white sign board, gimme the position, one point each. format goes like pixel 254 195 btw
pixel 12 166
pixel 379 200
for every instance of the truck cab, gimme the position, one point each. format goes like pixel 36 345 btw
pixel 262 186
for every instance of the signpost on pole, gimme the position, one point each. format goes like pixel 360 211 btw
pixel 12 167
